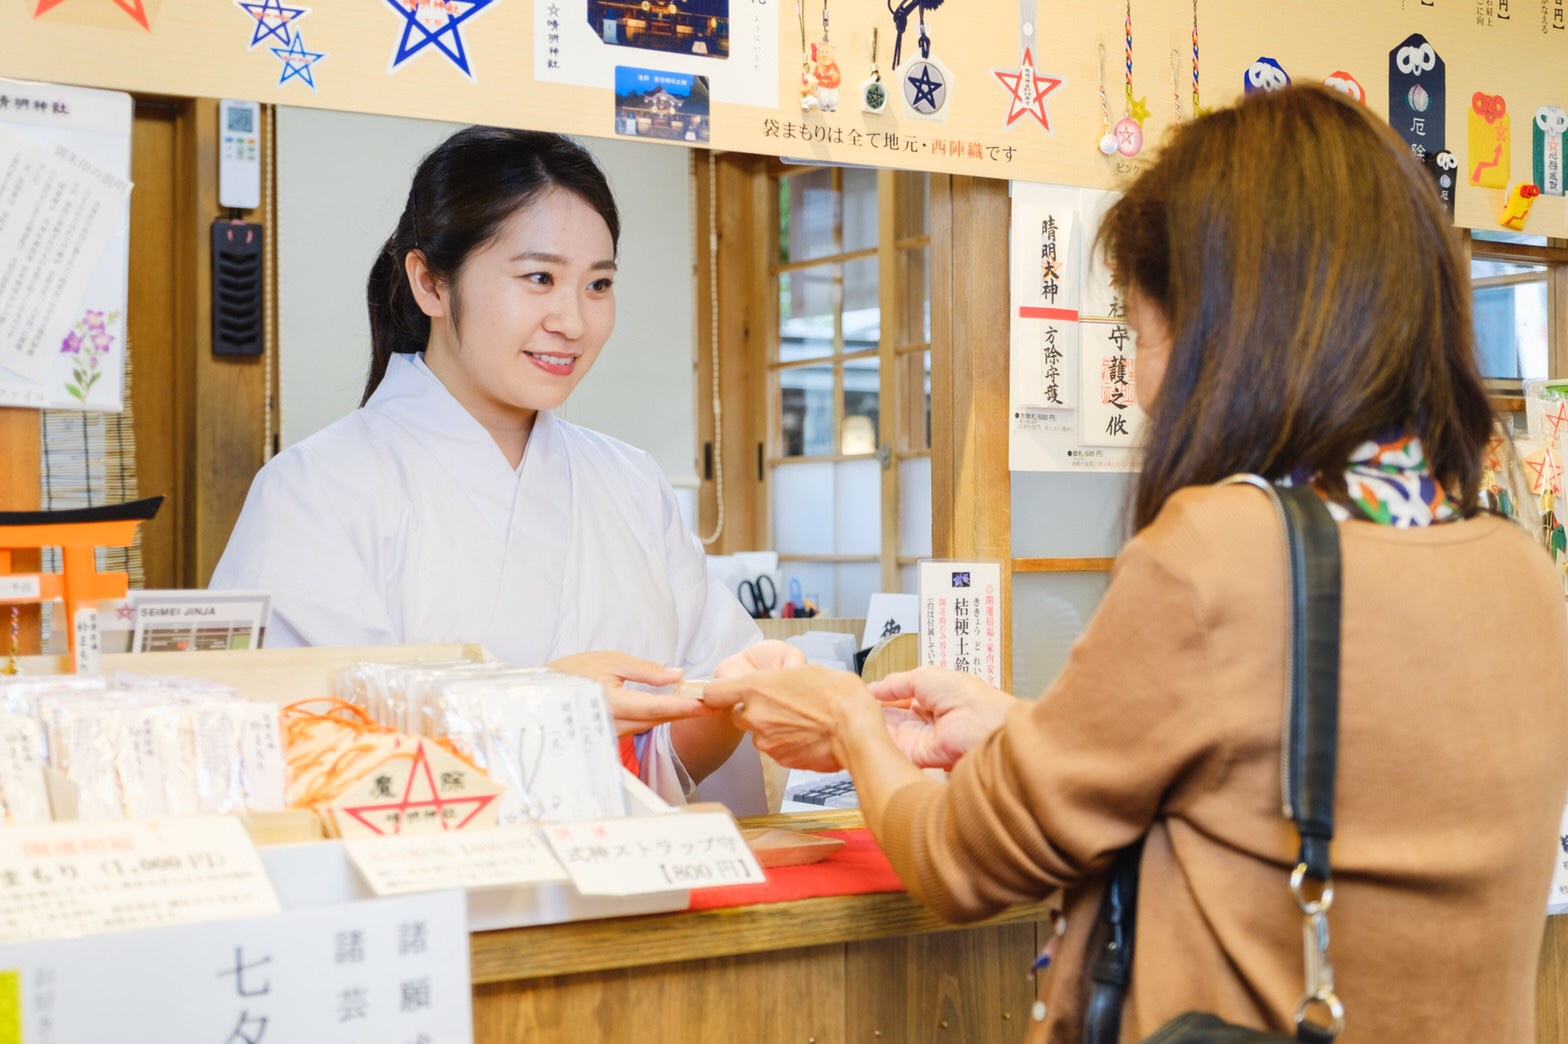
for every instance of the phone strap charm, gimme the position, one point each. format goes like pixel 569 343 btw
pixel 924 83
pixel 1027 88
pixel 824 66
pixel 1197 96
pixel 1129 130
pixel 873 92
pixel 11 666
pixel 808 76
pixel 1108 139
pixel 1176 84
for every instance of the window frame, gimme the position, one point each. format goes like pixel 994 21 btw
pixel 1507 392
pixel 902 431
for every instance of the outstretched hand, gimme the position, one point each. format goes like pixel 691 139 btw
pixel 797 717
pixel 952 713
pixel 633 709
pixel 770 655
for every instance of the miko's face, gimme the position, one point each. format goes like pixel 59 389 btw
pixel 533 308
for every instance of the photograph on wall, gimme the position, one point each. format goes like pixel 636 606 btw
pixel 734 47
pixel 700 27
pixel 654 104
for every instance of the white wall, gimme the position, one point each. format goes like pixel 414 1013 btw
pixel 342 182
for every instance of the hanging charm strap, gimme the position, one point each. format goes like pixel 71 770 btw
pixel 925 40
pixel 11 666
pixel 1128 26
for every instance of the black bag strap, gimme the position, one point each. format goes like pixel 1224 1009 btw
pixel 1309 753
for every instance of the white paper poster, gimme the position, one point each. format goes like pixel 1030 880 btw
pixel 65 161
pixel 732 45
pixel 960 605
pixel 1073 391
pixel 386 971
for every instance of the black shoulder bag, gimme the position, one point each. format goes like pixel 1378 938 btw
pixel 1308 752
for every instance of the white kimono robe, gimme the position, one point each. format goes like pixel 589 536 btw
pixel 404 523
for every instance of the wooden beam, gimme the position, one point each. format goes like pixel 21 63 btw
pixel 1063 565
pixel 20 480
pixel 971 487
pixel 743 317
pixel 225 409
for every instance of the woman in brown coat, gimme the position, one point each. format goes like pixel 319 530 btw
pixel 1302 312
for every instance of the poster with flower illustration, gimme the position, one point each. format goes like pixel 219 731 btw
pixel 65 159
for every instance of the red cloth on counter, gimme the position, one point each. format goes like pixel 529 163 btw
pixel 859 868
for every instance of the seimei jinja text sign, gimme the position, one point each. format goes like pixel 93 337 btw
pixel 960 610
pixel 385 971
pixel 82 878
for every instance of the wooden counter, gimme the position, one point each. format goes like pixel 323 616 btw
pixel 845 969
pixel 850 968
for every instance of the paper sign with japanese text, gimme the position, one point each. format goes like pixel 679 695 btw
pixel 1557 903
pixel 643 855
pixel 392 971
pixel 423 791
pixel 960 606
pixel 83 878
pixel 496 858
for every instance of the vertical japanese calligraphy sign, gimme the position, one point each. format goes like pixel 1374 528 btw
pixel 959 607
pixel 1417 93
pixel 1046 282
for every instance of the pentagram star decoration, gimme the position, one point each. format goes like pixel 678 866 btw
pixel 272 20
pixel 133 8
pixel 297 62
pixel 1139 110
pixel 1029 90
pixel 449 16
pixel 925 87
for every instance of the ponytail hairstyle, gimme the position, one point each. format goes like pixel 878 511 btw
pixel 463 192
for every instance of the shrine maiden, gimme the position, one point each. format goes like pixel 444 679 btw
pixel 454 507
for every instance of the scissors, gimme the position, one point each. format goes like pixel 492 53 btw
pixel 759 597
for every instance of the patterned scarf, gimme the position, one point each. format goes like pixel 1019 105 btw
pixel 1390 483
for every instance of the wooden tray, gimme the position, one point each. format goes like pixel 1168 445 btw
pixel 789 847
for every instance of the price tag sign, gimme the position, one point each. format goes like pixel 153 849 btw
pixel 648 854
pixel 392 971
pixel 497 858
pixel 20 589
pixel 66 879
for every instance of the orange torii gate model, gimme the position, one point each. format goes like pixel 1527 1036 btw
pixel 78 533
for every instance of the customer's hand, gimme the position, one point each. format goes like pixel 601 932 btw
pixel 770 655
pixel 634 710
pixel 952 713
pixel 798 717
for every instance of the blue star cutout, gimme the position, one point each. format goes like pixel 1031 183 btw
pixel 279 16
pixel 409 11
pixel 297 62
pixel 925 87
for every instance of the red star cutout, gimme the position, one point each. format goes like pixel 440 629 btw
pixel 419 773
pixel 1545 472
pixel 1557 418
pixel 1494 453
pixel 133 8
pixel 1029 90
